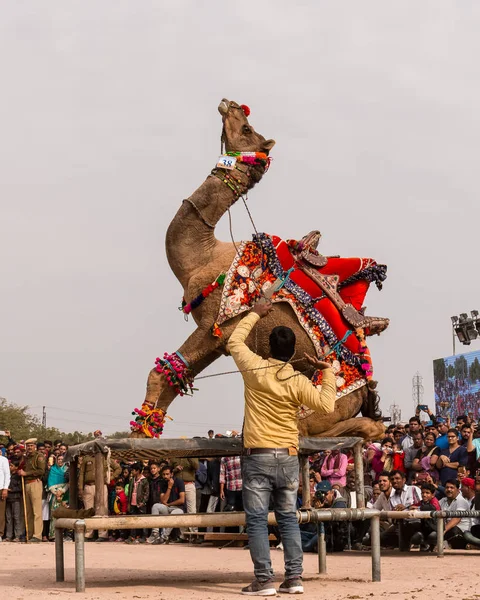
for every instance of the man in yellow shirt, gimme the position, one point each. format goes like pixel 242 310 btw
pixel 274 392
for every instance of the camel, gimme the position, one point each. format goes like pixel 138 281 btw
pixel 196 257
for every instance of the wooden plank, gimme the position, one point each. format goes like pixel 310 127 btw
pixel 140 449
pixel 232 536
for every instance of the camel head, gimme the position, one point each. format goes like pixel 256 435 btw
pixel 238 135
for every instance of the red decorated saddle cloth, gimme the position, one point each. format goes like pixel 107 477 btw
pixel 266 260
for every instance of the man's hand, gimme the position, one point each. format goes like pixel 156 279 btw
pixel 318 364
pixel 4 494
pixel 21 472
pixel 262 308
pixel 7 433
pixel 399 507
pixel 170 483
pixel 222 495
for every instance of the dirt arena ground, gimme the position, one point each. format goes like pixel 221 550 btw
pixel 117 571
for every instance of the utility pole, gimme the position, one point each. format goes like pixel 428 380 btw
pixel 417 390
pixel 44 418
pixel 395 413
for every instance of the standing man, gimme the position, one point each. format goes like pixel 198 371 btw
pixel 33 472
pixel 4 483
pixel 274 392
pixel 86 487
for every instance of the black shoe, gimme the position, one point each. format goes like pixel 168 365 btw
pixel 256 588
pixel 291 586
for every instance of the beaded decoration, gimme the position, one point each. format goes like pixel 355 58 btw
pixel 252 158
pixel 175 368
pixel 148 420
pixel 195 303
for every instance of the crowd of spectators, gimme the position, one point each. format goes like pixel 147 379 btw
pixel 427 465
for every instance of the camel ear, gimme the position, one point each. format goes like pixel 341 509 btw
pixel 268 145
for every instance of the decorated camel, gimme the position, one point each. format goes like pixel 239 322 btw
pixel 319 298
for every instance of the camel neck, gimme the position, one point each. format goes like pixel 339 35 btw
pixel 190 239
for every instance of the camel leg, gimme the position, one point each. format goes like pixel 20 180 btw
pixel 199 350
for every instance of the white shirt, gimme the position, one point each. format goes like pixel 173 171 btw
pixel 459 503
pixel 4 473
pixel 408 495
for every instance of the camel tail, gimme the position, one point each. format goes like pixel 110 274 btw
pixel 371 404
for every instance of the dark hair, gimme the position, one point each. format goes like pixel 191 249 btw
pixel 462 418
pixel 452 430
pixel 138 466
pixel 466 426
pixel 57 442
pixel 429 487
pixel 282 343
pixel 398 431
pixel 165 468
pixel 384 474
pixel 210 431
pixel 40 445
pixel 48 442
pixel 397 472
pixel 119 484
pixel 454 482
pixel 414 419
pixel 387 439
pixel 155 462
pixel 418 433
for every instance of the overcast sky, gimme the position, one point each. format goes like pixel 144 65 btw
pixel 109 119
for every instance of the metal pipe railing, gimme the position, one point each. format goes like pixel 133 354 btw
pixel 228 519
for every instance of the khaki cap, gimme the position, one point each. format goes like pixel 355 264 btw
pixel 31 441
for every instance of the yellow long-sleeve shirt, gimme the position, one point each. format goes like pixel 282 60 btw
pixel 271 405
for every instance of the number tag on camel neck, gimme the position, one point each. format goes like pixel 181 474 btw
pixel 226 162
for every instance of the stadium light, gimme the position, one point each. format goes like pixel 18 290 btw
pixel 465 328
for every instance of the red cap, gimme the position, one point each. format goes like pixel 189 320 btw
pixel 468 482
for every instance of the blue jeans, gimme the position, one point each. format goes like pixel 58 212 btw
pixel 265 476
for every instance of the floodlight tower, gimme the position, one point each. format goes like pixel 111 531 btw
pixel 395 413
pixel 417 390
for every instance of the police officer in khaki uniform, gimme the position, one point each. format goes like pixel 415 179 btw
pixel 86 486
pixel 33 471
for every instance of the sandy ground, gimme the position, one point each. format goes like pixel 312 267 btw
pixel 117 571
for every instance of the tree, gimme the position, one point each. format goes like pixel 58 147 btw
pixel 439 370
pixel 450 371
pixel 474 371
pixel 24 425
pixel 119 435
pixel 461 368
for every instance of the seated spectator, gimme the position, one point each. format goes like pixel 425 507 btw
pixel 427 456
pixel 454 527
pixel 473 536
pixel 411 453
pixel 451 458
pixel 137 501
pixel 336 533
pixel 442 427
pixel 334 468
pixel 172 502
pixel 421 529
pixel 403 497
pixel 388 459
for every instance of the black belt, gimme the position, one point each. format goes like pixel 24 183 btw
pixel 274 451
